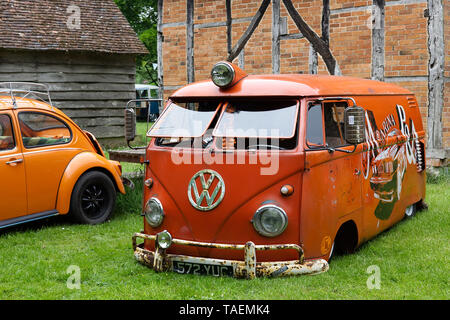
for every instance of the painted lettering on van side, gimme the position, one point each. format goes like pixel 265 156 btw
pixel 388 163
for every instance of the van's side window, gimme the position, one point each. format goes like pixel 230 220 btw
pixel 314 128
pixel 334 124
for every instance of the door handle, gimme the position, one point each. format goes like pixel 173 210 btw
pixel 14 162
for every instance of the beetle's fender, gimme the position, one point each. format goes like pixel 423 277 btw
pixel 81 163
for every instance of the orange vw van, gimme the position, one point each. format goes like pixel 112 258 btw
pixel 48 165
pixel 269 175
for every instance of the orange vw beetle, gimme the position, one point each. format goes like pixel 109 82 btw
pixel 269 175
pixel 48 165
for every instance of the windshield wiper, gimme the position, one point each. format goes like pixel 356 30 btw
pixel 267 146
pixel 330 149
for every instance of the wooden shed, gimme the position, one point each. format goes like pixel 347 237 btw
pixel 84 50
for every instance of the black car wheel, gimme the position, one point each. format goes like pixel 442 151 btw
pixel 93 198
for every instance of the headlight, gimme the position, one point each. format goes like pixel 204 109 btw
pixel 222 74
pixel 154 213
pixel 270 221
pixel 164 239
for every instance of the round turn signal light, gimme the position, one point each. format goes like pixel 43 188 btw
pixel 287 190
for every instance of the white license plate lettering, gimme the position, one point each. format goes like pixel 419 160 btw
pixel 196 269
pixel 200 268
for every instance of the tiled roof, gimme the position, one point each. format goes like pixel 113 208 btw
pixel 53 25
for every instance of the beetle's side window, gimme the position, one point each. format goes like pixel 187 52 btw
pixel 334 124
pixel 6 133
pixel 314 128
pixel 39 129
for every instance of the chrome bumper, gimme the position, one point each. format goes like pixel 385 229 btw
pixel 159 260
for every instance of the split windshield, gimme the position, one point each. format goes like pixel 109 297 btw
pixel 184 120
pixel 237 119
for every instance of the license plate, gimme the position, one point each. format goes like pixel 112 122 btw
pixel 202 269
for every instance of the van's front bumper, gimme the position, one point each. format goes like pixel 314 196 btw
pixel 159 260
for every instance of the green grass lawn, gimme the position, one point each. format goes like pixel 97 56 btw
pixel 413 258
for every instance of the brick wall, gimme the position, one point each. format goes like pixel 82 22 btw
pixel 406 51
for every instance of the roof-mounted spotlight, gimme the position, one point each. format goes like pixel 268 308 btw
pixel 225 74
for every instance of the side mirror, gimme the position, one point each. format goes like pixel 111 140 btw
pixel 130 124
pixel 355 131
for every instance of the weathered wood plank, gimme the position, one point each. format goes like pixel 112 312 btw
pixel 276 36
pixel 102 121
pixel 107 131
pixel 318 44
pixel 127 155
pixel 378 36
pixel 30 67
pixel 436 81
pixel 8 55
pixel 73 95
pixel 92 104
pixel 81 113
pixel 54 77
pixel 97 87
pixel 248 33
pixel 190 66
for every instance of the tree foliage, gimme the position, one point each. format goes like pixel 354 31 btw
pixel 142 16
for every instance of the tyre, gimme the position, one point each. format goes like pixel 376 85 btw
pixel 93 198
pixel 410 211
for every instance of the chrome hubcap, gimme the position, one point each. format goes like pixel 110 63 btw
pixel 409 211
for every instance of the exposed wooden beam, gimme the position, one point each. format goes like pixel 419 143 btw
pixel 325 23
pixel 312 61
pixel 291 36
pixel 319 45
pixel 241 59
pixel 159 51
pixel 248 33
pixel 190 41
pixel 229 26
pixel 276 36
pixel 378 36
pixel 436 80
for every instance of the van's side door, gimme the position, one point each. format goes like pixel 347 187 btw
pixel 13 193
pixel 332 180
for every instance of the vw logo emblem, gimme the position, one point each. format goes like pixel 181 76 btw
pixel 211 193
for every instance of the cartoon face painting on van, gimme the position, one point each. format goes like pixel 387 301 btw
pixel 270 175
